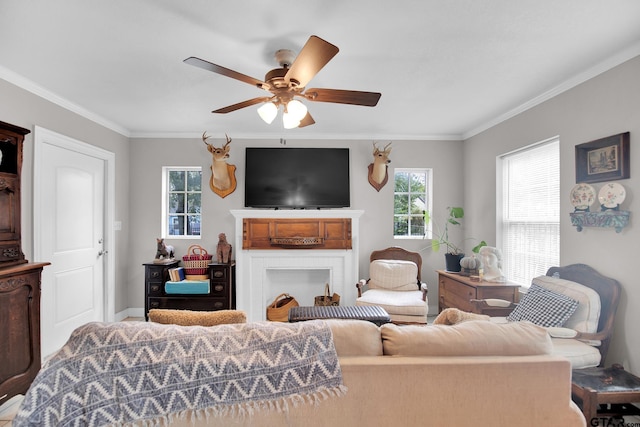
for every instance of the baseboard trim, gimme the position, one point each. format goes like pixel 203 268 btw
pixel 129 312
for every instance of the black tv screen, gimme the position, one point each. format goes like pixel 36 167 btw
pixel 297 178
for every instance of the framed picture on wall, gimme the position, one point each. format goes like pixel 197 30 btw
pixel 604 159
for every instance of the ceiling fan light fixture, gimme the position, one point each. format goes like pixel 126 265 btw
pixel 289 81
pixel 268 111
pixel 297 109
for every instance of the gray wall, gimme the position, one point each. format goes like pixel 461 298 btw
pixel 605 105
pixel 376 224
pixel 27 110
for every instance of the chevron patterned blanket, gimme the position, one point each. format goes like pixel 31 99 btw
pixel 117 373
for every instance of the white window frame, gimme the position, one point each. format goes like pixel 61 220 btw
pixel 165 200
pixel 550 219
pixel 428 172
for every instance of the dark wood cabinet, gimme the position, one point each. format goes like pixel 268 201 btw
pixel 155 276
pixel 20 327
pixel 19 279
pixel 11 139
pixel 221 294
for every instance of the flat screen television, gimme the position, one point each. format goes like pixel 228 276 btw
pixel 297 178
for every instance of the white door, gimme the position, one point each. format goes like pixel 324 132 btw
pixel 69 211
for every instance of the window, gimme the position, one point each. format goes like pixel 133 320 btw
pixel 529 211
pixel 182 201
pixel 411 197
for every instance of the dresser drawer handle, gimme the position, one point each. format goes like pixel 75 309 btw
pixel 154 304
pixel 155 274
pixel 218 274
pixel 218 304
pixel 155 288
pixel 218 288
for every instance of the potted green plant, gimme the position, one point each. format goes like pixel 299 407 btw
pixel 441 238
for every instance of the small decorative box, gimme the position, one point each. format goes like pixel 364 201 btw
pixel 187 287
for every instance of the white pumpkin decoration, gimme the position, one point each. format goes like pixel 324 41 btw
pixel 470 263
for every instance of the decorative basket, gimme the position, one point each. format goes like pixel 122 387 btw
pixel 196 261
pixel 326 300
pixel 278 310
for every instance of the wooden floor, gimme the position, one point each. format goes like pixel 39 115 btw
pixel 8 410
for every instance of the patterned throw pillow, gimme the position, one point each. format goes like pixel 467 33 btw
pixel 544 307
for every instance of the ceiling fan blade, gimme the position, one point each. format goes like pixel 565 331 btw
pixel 206 65
pixel 243 104
pixel 306 121
pixel 353 97
pixel 315 54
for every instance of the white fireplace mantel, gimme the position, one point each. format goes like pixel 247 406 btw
pixel 254 268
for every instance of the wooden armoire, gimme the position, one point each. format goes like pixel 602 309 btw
pixel 19 279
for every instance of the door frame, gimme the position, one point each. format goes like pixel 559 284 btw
pixel 46 136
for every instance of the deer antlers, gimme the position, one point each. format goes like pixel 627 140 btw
pixel 377 150
pixel 205 137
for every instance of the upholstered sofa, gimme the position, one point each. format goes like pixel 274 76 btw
pixel 473 373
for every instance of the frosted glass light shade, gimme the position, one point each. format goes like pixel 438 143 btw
pixel 268 112
pixel 297 109
pixel 289 121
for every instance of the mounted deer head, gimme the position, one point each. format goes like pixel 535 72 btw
pixel 223 179
pixel 378 174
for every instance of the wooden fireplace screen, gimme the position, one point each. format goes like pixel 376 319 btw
pixel 296 233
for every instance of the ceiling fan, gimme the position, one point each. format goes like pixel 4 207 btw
pixel 289 81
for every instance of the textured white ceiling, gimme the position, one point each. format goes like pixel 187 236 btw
pixel 445 68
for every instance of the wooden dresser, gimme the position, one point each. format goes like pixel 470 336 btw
pixel 20 331
pixel 19 279
pixel 221 296
pixel 456 291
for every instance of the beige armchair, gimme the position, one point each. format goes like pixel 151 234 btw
pixel 395 284
pixel 585 337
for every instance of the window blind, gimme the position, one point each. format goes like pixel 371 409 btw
pixel 530 227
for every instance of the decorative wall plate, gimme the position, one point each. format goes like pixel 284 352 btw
pixel 582 196
pixel 611 195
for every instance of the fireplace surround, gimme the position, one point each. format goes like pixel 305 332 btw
pixel 263 274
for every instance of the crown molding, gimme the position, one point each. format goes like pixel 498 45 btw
pixel 46 94
pixel 606 65
pixel 300 137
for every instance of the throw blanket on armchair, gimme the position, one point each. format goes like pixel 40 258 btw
pixel 117 373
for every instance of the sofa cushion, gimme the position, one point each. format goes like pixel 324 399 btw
pixel 543 307
pixel 391 274
pixel 580 355
pixel 472 338
pixel 587 315
pixel 196 318
pixel 395 302
pixel 355 337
